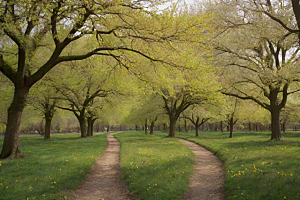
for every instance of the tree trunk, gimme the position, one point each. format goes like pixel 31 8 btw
pixel 221 126
pixel 136 128
pixel 185 126
pixel 275 124
pixel 83 128
pixel 89 127
pixel 47 127
pixel 11 148
pixel 164 128
pixel 107 128
pixel 92 126
pixel 231 127
pixel 283 126
pixel 197 126
pixel 146 127
pixel 152 127
pixel 172 128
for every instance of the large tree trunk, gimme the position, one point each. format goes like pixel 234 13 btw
pixel 47 127
pixel 11 148
pixel 172 127
pixel 136 128
pixel 83 128
pixel 275 124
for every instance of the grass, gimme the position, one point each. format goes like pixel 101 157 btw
pixel 154 166
pixel 256 167
pixel 51 169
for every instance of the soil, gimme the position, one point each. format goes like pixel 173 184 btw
pixel 103 181
pixel 207 180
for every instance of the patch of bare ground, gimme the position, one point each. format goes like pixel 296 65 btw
pixel 103 182
pixel 207 180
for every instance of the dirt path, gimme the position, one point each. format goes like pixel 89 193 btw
pixel 207 181
pixel 102 183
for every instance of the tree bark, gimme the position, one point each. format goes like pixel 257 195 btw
pixel 83 128
pixel 47 128
pixel 107 128
pixel 11 148
pixel 172 127
pixel 136 128
pixel 275 124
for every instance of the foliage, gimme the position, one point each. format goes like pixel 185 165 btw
pixel 155 167
pixel 52 168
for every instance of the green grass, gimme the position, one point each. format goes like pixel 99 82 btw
pixel 256 167
pixel 51 169
pixel 153 166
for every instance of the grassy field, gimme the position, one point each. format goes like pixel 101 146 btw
pixel 155 167
pixel 51 169
pixel 256 168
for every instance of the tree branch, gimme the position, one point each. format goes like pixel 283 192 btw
pixel 264 105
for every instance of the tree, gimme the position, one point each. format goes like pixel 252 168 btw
pixel 122 30
pixel 186 89
pixel 42 98
pixel 198 117
pixel 260 59
pixel 286 14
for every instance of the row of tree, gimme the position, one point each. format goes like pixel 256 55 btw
pixel 81 56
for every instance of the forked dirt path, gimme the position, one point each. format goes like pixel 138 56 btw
pixel 103 183
pixel 207 180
